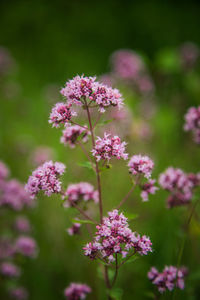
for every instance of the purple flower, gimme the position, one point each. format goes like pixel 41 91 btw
pixel 19 293
pixel 179 184
pixel 46 178
pixel 139 164
pixel 108 147
pixel 22 224
pixel 81 88
pixel 61 114
pixel 168 278
pixel 14 195
pixel 75 229
pixel 76 291
pixel 148 188
pixel 26 246
pixel 113 237
pixel 8 269
pixel 80 191
pixel 72 134
pixel 192 122
pixel 4 171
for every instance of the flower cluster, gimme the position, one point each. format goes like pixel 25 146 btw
pixel 81 88
pixel 192 122
pixel 61 114
pixel 148 188
pixel 108 147
pixel 26 246
pixel 114 237
pixel 46 178
pixel 77 291
pixel 22 224
pixel 71 134
pixel 139 164
pixel 4 172
pixel 80 191
pixel 19 293
pixel 169 278
pixel 9 269
pixel 179 184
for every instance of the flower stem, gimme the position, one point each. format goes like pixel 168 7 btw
pixel 82 212
pixel 116 271
pixel 126 197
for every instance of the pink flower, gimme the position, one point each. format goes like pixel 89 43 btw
pixel 4 171
pixel 22 224
pixel 139 164
pixel 61 114
pixel 80 191
pixel 72 134
pixel 76 291
pixel 108 147
pixel 179 184
pixel 148 188
pixel 192 122
pixel 26 246
pixel 168 278
pixel 19 293
pixel 75 229
pixel 8 269
pixel 14 195
pixel 46 178
pixel 81 88
pixel 113 237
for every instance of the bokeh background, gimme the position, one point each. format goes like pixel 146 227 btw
pixel 51 42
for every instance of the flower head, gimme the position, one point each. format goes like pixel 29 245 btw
pixel 192 122
pixel 108 147
pixel 8 269
pixel 4 172
pixel 22 224
pixel 81 88
pixel 77 291
pixel 169 278
pixel 114 237
pixel 80 191
pixel 19 293
pixel 179 184
pixel 61 114
pixel 46 178
pixel 139 164
pixel 26 246
pixel 148 188
pixel 75 229
pixel 71 134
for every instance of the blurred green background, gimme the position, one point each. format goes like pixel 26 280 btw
pixel 52 41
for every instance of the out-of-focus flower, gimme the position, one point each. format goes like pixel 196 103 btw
pixel 41 154
pixel 81 88
pixel 169 278
pixel 148 188
pixel 114 237
pixel 75 229
pixel 4 171
pixel 14 195
pixel 139 164
pixel 80 191
pixel 22 224
pixel 179 184
pixel 6 61
pixel 72 134
pixel 61 114
pixel 109 147
pixel 8 269
pixel 46 178
pixel 18 293
pixel 26 246
pixel 77 291
pixel 7 249
pixel 192 122
pixel 189 54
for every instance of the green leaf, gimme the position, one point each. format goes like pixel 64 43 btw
pixel 86 164
pixel 82 221
pixel 105 168
pixel 132 259
pixel 131 216
pixel 116 293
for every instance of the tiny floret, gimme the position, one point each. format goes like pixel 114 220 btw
pixel 139 164
pixel 46 178
pixel 109 147
pixel 148 188
pixel 73 134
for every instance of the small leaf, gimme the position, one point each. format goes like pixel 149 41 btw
pixel 132 259
pixel 131 216
pixel 82 221
pixel 86 164
pixel 116 293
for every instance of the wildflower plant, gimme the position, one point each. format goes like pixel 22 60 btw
pixel 114 243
